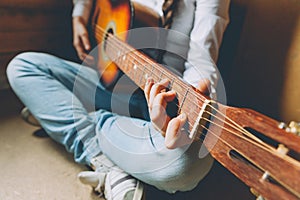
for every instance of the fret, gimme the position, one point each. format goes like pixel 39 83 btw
pixel 131 72
pixel 124 60
pixel 146 76
pixel 141 76
pixel 129 62
pixel 125 56
pixel 152 69
pixel 135 65
pixel 118 54
pixel 171 83
pixel 135 68
pixel 117 59
pixel 183 100
pixel 160 76
pixel 143 82
pixel 121 60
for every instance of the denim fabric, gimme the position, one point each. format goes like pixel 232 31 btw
pixel 78 112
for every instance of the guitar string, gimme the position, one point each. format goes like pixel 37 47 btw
pixel 197 113
pixel 241 129
pixel 229 124
pixel 179 92
pixel 273 175
pixel 221 127
pixel 237 128
pixel 254 144
pixel 155 75
pixel 130 49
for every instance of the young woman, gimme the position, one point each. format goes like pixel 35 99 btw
pixel 75 108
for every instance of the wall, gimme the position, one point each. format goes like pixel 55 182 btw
pixel 260 55
pixel 34 25
pixel 264 68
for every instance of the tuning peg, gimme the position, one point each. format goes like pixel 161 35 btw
pixel 281 149
pixel 255 193
pixel 293 127
pixel 282 125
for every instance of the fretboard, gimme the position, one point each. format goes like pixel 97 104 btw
pixel 138 67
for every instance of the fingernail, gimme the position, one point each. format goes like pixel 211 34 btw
pixel 182 116
pixel 172 92
pixel 149 80
pixel 164 80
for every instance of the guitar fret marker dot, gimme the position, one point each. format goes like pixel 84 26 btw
pixel 124 57
pixel 134 67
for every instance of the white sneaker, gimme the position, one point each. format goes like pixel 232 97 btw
pixel 110 180
pixel 29 118
pixel 121 186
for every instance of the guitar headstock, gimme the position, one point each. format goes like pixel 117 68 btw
pixel 261 151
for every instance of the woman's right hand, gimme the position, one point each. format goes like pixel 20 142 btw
pixel 81 40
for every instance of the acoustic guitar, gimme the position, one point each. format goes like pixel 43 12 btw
pixel 260 151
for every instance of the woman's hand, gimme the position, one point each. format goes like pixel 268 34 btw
pixel 81 40
pixel 158 97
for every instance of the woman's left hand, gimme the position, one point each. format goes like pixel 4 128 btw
pixel 158 97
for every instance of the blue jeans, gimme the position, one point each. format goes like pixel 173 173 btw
pixel 76 110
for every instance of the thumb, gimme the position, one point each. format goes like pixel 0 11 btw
pixel 85 40
pixel 175 136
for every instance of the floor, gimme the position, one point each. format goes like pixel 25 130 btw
pixel 34 167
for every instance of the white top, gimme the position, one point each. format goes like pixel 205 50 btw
pixel 196 35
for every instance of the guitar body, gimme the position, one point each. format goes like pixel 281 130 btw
pixel 117 17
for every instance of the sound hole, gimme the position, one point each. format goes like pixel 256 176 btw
pixel 116 2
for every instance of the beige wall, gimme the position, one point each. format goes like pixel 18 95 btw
pixel 265 70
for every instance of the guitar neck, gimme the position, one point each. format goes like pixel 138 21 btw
pixel 138 67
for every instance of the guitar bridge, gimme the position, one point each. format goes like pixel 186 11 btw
pixel 202 122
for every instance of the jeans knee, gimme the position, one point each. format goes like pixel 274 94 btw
pixel 18 65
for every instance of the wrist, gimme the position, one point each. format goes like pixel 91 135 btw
pixel 78 19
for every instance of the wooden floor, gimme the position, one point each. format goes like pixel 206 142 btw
pixel 37 168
